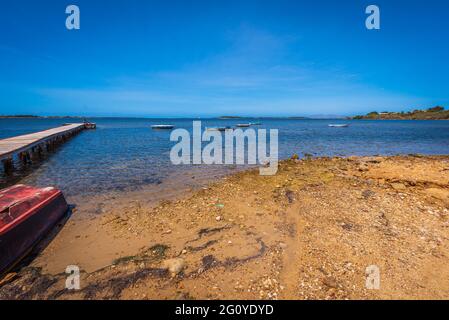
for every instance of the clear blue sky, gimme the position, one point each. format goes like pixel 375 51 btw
pixel 206 58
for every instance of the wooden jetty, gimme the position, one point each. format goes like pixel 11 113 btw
pixel 27 146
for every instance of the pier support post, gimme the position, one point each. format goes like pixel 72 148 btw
pixel 25 158
pixel 36 152
pixel 8 166
pixel 33 153
pixel 40 150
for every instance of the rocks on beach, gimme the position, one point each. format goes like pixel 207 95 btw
pixel 174 266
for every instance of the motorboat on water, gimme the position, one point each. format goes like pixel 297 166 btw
pixel 218 128
pixel 27 214
pixel 89 125
pixel 343 125
pixel 162 126
pixel 243 125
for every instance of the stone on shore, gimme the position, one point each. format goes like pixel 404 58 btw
pixel 175 265
pixel 398 186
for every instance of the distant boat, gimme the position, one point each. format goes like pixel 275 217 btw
pixel 90 125
pixel 162 126
pixel 255 123
pixel 218 128
pixel 243 125
pixel 339 125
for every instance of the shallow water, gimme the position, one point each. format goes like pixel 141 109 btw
pixel 125 154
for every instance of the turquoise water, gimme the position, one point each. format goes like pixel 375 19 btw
pixel 124 154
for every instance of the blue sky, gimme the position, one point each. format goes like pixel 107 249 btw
pixel 208 58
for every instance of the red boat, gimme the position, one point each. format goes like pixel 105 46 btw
pixel 27 214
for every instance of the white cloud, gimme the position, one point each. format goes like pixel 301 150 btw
pixel 254 76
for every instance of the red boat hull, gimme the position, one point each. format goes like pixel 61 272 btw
pixel 26 215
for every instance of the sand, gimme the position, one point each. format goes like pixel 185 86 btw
pixel 309 232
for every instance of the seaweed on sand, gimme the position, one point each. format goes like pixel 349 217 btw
pixel 113 287
pixel 155 252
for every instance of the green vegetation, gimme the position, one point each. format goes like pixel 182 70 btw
pixel 435 113
pixel 156 252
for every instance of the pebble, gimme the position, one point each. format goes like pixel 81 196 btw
pixel 175 265
pixel 282 245
pixel 398 186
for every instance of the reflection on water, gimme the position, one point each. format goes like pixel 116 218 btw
pixel 124 154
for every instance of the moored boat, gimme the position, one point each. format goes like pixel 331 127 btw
pixel 344 125
pixel 162 126
pixel 90 125
pixel 243 125
pixel 218 128
pixel 27 214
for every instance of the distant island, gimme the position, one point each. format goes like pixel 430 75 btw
pixel 229 117
pixel 297 118
pixel 27 116
pixel 435 113
pixel 18 116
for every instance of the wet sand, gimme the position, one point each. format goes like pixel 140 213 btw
pixel 308 232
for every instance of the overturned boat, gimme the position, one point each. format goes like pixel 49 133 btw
pixel 27 214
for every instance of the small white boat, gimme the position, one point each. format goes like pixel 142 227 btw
pixel 243 125
pixel 162 126
pixel 218 128
pixel 344 125
pixel 255 123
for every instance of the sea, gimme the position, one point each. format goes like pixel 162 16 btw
pixel 125 154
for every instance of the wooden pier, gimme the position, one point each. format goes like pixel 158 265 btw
pixel 28 146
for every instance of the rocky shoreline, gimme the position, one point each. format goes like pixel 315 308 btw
pixel 308 232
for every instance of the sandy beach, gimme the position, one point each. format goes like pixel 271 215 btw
pixel 308 232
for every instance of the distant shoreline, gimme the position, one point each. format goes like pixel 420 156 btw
pixel 162 117
pixel 40 117
pixel 18 116
pixel 173 118
pixel 435 113
pixel 415 115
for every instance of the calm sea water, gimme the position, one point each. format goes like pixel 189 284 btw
pixel 123 154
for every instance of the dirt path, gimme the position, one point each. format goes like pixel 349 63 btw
pixel 309 232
